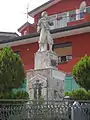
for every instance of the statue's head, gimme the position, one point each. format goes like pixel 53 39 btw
pixel 44 14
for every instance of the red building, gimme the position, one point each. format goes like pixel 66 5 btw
pixel 70 31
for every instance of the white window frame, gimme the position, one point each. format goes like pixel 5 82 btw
pixel 62 15
pixel 78 14
pixel 68 57
pixel 25 32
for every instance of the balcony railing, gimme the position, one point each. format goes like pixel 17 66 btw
pixel 63 19
pixel 68 18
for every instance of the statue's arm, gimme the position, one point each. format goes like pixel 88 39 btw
pixel 50 22
pixel 39 26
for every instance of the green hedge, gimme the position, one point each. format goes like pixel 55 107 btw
pixel 80 94
pixel 14 95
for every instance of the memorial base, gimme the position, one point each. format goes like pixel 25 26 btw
pixel 46 83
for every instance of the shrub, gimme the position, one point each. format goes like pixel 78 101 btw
pixel 80 94
pixel 13 95
pixel 12 72
pixel 81 72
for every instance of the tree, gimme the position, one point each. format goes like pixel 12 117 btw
pixel 12 73
pixel 81 72
pixel 79 94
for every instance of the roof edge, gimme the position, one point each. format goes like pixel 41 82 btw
pixel 25 24
pixel 52 32
pixel 12 33
pixel 42 7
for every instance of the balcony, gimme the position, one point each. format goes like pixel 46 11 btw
pixel 70 18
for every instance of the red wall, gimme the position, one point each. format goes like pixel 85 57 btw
pixel 29 29
pixel 80 47
pixel 80 44
pixel 27 54
pixel 62 6
pixel 25 29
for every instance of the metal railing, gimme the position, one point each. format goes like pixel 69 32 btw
pixel 48 110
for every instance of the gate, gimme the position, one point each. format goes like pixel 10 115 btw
pixel 80 111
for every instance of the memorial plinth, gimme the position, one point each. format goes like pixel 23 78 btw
pixel 51 80
pixel 45 60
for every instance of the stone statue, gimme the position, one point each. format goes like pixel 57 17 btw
pixel 44 30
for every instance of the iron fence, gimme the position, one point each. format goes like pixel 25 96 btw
pixel 48 110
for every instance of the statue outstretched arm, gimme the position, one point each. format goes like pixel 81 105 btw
pixel 50 22
pixel 39 26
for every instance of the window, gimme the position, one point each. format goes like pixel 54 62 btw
pixel 62 19
pixel 80 14
pixel 64 59
pixel 76 14
pixel 63 49
pixel 59 20
pixel 88 9
pixel 25 32
pixel 62 45
pixel 52 18
pixel 72 15
pixel 69 57
pixel 59 59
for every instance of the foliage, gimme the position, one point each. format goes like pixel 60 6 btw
pixel 80 94
pixel 13 95
pixel 81 72
pixel 88 94
pixel 11 71
pixel 67 93
pixel 21 95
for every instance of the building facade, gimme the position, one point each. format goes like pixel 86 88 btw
pixel 70 31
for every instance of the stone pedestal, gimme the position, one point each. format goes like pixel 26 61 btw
pixel 45 60
pixel 51 80
pixel 46 81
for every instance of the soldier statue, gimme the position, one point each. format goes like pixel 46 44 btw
pixel 44 29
